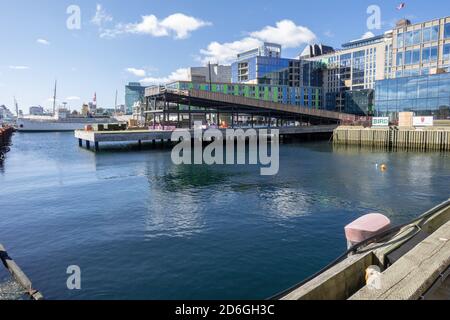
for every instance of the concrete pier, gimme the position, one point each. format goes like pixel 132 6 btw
pixel 395 138
pixel 139 137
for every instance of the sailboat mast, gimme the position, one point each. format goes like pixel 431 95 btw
pixel 54 99
pixel 115 103
pixel 17 107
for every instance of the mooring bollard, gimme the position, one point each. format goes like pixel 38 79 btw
pixel 366 227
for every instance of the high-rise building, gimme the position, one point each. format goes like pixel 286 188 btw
pixel 210 73
pixel 265 66
pixel 134 92
pixel 421 48
pixel 350 73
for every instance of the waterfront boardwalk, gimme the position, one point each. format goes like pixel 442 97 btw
pixel 230 103
pixel 395 138
pixel 95 138
pixel 414 260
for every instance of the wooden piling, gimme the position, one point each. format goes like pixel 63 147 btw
pixel 394 138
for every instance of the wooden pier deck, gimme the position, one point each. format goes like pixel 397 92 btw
pixel 95 138
pixel 415 264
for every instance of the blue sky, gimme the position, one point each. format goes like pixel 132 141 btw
pixel 121 46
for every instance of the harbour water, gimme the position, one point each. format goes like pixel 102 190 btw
pixel 140 227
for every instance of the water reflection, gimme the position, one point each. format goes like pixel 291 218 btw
pixel 286 203
pixel 174 207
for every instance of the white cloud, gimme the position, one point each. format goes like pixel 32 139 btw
pixel 43 41
pixel 72 98
pixel 178 25
pixel 136 72
pixel 328 34
pixel 225 53
pixel 285 33
pixel 182 25
pixel 19 67
pixel 101 16
pixel 181 74
pixel 368 35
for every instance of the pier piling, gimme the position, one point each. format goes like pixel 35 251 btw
pixel 395 138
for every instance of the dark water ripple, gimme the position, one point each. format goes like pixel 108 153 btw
pixel 141 228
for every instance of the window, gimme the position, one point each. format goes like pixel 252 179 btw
pixel 434 33
pixel 427 35
pixel 400 40
pixel 447 30
pixel 417 35
pixel 408 57
pixel 447 51
pixel 416 56
pixel 426 55
pixel 409 39
pixel 433 54
pixel 399 58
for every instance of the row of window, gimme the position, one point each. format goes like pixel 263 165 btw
pixel 429 54
pixel 429 34
pixel 423 87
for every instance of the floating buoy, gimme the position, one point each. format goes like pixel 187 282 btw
pixel 383 167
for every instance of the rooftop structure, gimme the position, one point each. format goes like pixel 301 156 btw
pixel 210 73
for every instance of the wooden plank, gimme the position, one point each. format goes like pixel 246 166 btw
pixel 414 273
pixel 337 283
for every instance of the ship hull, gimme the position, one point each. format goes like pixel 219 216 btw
pixel 31 125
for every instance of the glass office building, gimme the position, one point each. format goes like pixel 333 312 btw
pixel 301 96
pixel 421 48
pixel 134 92
pixel 427 95
pixel 359 102
pixel 266 67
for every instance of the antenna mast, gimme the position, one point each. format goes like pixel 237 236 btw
pixel 54 99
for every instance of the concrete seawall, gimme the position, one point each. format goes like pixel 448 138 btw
pixel 426 139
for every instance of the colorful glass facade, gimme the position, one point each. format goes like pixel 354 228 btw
pixel 301 96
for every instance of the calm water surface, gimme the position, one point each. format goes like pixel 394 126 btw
pixel 142 228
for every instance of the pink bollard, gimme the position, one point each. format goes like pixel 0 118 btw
pixel 366 227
